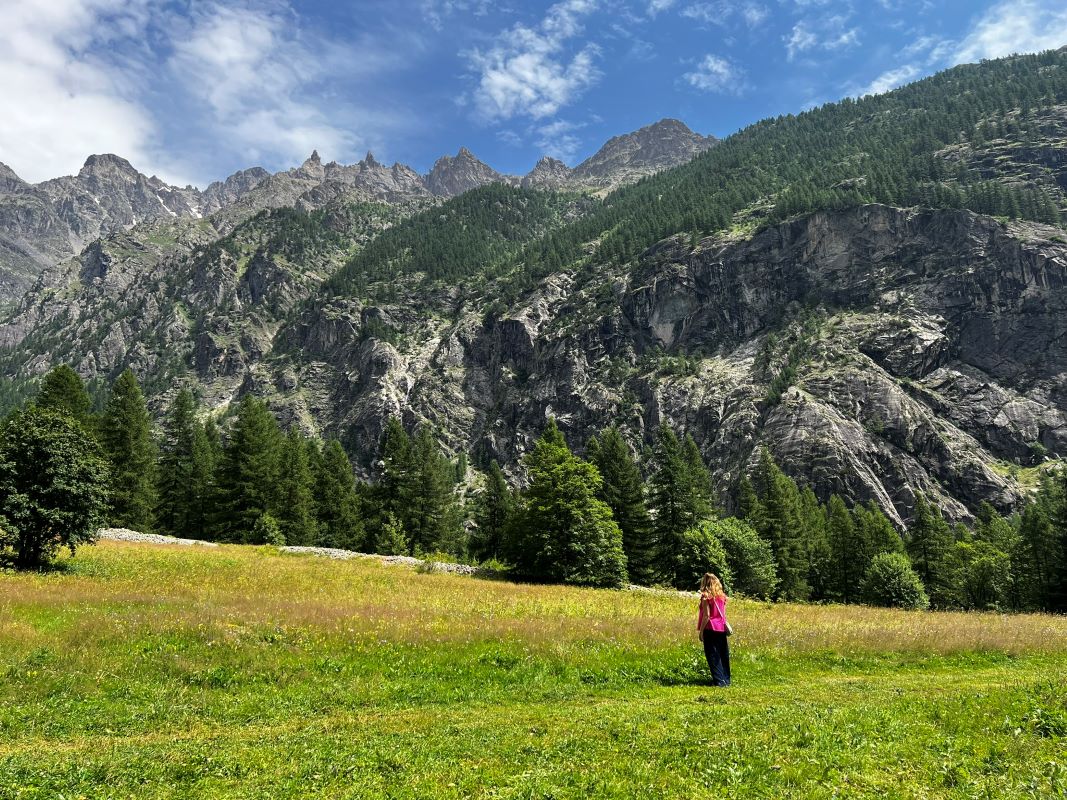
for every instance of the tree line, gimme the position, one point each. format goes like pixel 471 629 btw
pixel 604 520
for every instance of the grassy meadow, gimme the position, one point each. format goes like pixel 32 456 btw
pixel 140 671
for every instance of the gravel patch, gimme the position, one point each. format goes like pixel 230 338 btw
pixel 126 535
pixel 406 561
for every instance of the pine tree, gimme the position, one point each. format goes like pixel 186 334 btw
pixel 392 541
pixel 930 545
pixel 814 542
pixel 781 525
pixel 127 438
pixel 876 529
pixel 850 552
pixel 495 508
pixel 204 478
pixel 623 490
pixel 249 477
pixel 566 533
pixel 395 478
pixel 677 502
pixel 177 487
pixel 431 517
pixel 62 389
pixel 700 478
pixel 296 510
pixel 340 523
pixel 1036 556
pixel 748 504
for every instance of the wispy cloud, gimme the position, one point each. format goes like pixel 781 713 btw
pixel 1015 26
pixel 656 6
pixel 723 12
pixel 820 33
pixel 715 74
pixel 240 83
pixel 251 70
pixel 60 100
pixel 437 11
pixel 560 140
pixel 891 79
pixel 529 71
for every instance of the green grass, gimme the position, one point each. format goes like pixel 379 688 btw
pixel 147 672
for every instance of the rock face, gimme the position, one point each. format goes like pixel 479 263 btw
pixel 934 357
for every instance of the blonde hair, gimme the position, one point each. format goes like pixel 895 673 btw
pixel 711 586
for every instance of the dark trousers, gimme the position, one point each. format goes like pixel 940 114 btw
pixel 717 652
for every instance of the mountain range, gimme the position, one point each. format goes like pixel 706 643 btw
pixel 41 224
pixel 873 290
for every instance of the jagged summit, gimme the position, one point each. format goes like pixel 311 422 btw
pixel 452 175
pixel 548 173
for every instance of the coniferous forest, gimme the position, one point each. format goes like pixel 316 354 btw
pixel 604 520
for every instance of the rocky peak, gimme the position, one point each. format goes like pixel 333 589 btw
pixel 369 160
pixel 10 182
pixel 222 193
pixel 548 173
pixel 8 174
pixel 662 145
pixel 454 175
pixel 108 166
pixel 311 170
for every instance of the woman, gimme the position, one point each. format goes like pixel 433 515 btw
pixel 711 625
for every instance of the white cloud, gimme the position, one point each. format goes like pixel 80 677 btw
pixel 754 15
pixel 1015 26
pixel 253 71
pixel 721 12
pixel 239 82
pixel 528 72
pixel 800 39
pixel 715 74
pixel 60 102
pixel 1012 26
pixel 559 139
pixel 826 33
pixel 891 79
pixel 656 6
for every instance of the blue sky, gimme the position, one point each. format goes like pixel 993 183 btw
pixel 193 91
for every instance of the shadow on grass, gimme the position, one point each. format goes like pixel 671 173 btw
pixel 8 564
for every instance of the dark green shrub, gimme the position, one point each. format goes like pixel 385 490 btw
pixel 890 581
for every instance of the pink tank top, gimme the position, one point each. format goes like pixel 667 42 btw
pixel 712 614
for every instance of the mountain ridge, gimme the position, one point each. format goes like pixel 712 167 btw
pixel 43 223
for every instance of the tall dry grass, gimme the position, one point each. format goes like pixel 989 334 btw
pixel 233 592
